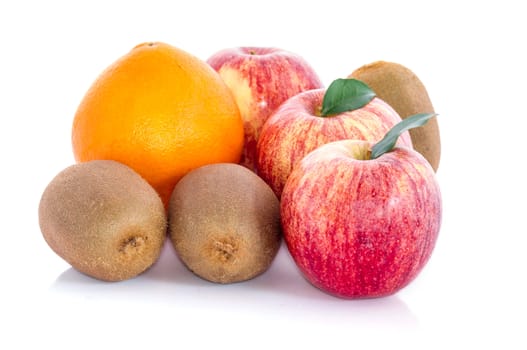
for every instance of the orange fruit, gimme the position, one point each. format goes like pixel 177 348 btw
pixel 162 112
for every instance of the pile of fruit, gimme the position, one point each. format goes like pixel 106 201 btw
pixel 227 156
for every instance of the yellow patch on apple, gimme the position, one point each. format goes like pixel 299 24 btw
pixel 240 89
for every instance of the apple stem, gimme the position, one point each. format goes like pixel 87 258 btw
pixel 390 139
pixel 318 111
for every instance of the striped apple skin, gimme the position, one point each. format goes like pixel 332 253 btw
pixel 295 129
pixel 361 228
pixel 261 79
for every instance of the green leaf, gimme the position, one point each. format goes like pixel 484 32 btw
pixel 388 141
pixel 345 95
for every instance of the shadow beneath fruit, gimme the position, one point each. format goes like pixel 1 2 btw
pixel 289 294
pixel 167 270
pixel 280 292
pixel 75 284
pixel 72 277
pixel 282 277
pixel 170 270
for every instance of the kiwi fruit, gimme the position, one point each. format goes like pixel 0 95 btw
pixel 104 219
pixel 403 90
pixel 224 223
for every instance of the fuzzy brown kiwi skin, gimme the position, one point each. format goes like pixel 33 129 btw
pixel 103 219
pixel 224 223
pixel 403 90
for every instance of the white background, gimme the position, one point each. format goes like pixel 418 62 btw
pixel 470 55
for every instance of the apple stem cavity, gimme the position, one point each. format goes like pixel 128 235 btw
pixel 388 141
pixel 344 95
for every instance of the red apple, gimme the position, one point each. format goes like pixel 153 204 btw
pixel 359 227
pixel 297 127
pixel 261 79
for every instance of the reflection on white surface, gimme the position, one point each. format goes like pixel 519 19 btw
pixel 279 292
pixel 279 306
